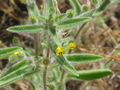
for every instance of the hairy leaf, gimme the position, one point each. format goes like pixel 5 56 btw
pixel 91 74
pixel 73 21
pixel 83 58
pixel 102 7
pixel 26 28
pixel 17 74
pixel 15 67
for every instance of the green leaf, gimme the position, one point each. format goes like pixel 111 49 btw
pixel 76 5
pixel 102 7
pixel 6 52
pixel 14 76
pixel 66 64
pixel 15 67
pixel 18 74
pixel 91 74
pixel 26 28
pixel 73 21
pixel 83 58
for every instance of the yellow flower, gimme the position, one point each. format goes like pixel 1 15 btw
pixel 71 45
pixel 59 51
pixel 41 6
pixel 16 53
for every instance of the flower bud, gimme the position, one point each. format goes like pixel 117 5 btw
pixel 71 45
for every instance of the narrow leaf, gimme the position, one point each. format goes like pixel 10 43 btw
pixel 6 52
pixel 83 58
pixel 73 21
pixel 14 67
pixel 16 75
pixel 91 74
pixel 26 28
pixel 76 5
pixel 102 7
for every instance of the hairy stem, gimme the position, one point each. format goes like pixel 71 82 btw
pixel 36 43
pixel 77 34
pixel 44 78
pixel 61 79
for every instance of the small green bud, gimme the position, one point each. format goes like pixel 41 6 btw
pixel 45 61
pixel 52 11
pixel 33 19
pixel 16 41
pixel 85 7
pixel 95 1
pixel 70 13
